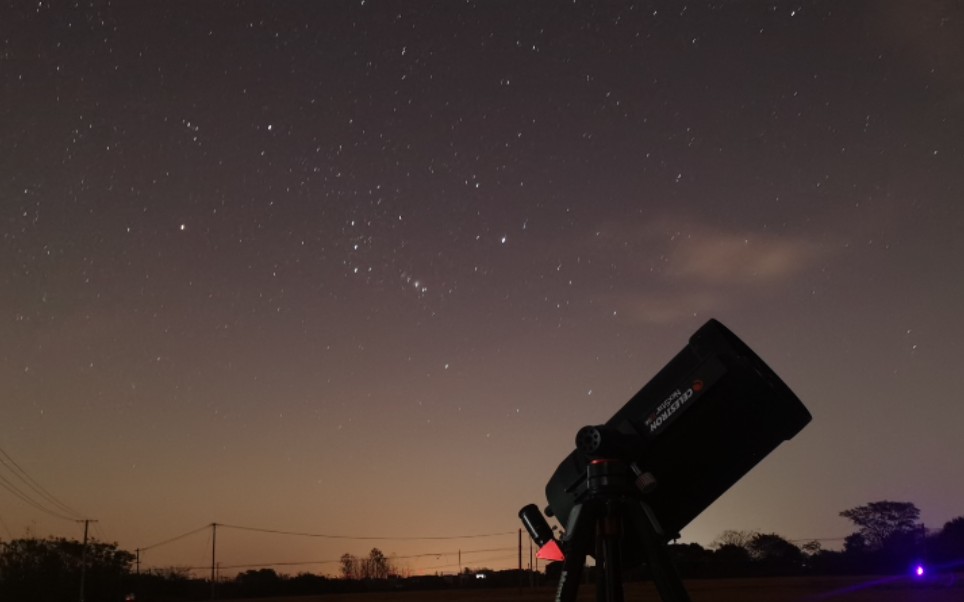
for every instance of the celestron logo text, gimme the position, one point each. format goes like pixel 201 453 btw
pixel 670 406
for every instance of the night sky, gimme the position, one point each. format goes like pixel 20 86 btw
pixel 364 268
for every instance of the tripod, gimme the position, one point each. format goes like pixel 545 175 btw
pixel 614 514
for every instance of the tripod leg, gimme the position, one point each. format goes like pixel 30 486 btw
pixel 667 580
pixel 568 588
pixel 608 557
pixel 579 533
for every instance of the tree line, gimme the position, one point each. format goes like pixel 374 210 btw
pixel 888 539
pixel 375 566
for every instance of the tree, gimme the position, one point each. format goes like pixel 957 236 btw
pixel 954 529
pixel 171 573
pixel 888 539
pixel 731 555
pixel 691 559
pixel 949 541
pixel 304 584
pixel 377 565
pixel 49 569
pixel 256 583
pixel 881 522
pixel 740 539
pixel 349 566
pixel 855 544
pixel 732 560
pixel 775 553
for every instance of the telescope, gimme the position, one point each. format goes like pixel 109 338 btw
pixel 632 483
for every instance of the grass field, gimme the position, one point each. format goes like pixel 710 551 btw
pixel 715 590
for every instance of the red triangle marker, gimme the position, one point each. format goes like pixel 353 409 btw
pixel 551 551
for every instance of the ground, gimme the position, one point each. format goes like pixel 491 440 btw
pixel 797 589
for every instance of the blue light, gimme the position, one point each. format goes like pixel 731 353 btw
pixel 919 570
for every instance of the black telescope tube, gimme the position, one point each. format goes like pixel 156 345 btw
pixel 536 525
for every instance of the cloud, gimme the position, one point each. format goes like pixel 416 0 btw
pixel 720 258
pixel 686 267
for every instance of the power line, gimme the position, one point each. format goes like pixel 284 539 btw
pixel 37 488
pixel 476 561
pixel 173 539
pixel 217 566
pixel 306 562
pixel 100 532
pixel 6 484
pixel 364 537
pixel 267 564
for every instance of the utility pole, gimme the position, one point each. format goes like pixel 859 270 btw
pixel 137 562
pixel 531 576
pixel 83 557
pixel 214 574
pixel 520 562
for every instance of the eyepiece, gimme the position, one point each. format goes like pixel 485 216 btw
pixel 536 525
